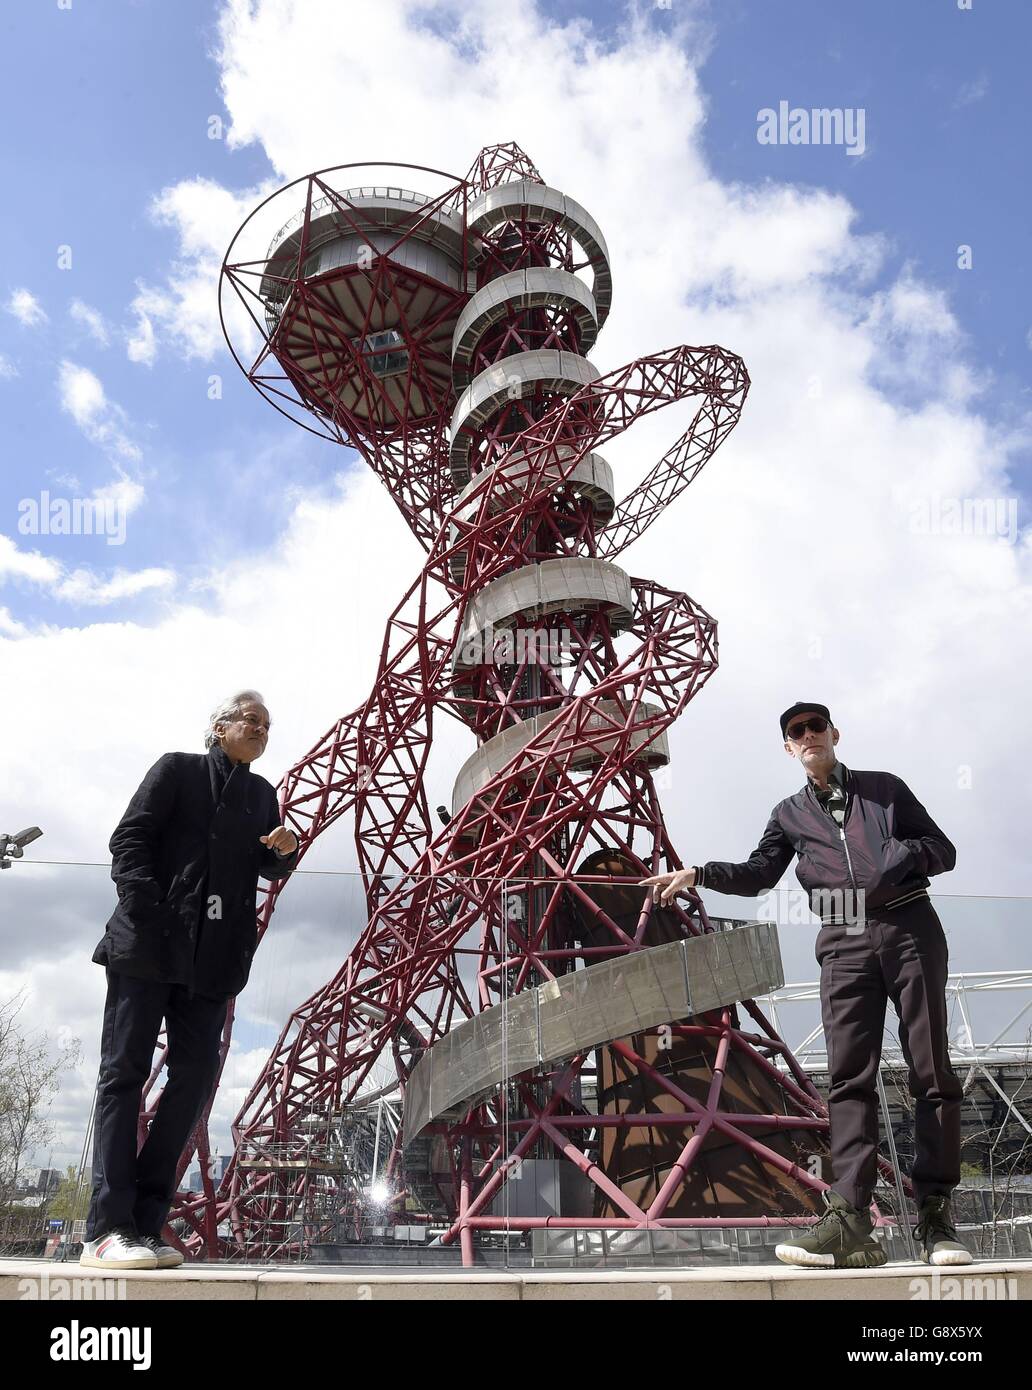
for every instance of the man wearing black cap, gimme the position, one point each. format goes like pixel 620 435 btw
pixel 866 848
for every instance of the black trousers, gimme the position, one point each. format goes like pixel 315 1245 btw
pixel 130 1189
pixel 901 955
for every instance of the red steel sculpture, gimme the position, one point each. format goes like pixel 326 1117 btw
pixel 539 1013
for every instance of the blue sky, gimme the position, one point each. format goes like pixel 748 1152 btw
pixel 945 95
pixel 129 91
pixel 112 104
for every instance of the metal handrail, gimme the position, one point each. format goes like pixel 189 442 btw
pixel 405 195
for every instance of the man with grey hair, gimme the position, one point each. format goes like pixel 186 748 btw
pixel 186 857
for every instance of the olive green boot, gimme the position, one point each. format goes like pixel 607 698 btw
pixel 841 1239
pixel 938 1235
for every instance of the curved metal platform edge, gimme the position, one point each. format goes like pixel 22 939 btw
pixel 571 584
pixel 603 729
pixel 641 989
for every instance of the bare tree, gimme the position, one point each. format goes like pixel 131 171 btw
pixel 71 1201
pixel 31 1067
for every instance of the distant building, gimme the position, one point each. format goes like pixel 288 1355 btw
pixel 27 1180
pixel 217 1166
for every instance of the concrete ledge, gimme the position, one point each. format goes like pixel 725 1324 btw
pixel 989 1281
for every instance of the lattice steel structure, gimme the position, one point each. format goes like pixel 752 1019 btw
pixel 994 1061
pixel 445 336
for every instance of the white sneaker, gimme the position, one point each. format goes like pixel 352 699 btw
pixel 166 1255
pixel 118 1249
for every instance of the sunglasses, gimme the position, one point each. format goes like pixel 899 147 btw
pixel 817 724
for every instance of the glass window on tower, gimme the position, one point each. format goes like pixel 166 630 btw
pixel 385 363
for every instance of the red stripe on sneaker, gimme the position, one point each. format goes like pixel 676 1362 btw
pixel 104 1245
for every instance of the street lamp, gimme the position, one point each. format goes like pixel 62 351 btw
pixel 13 846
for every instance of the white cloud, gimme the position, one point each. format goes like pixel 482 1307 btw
pixel 26 308
pixel 122 492
pixel 799 536
pixel 9 626
pixel 184 312
pixel 973 91
pixel 141 343
pixel 104 512
pixel 7 368
pixel 82 586
pixel 82 394
pixel 30 565
pixel 92 320
pixel 102 421
pixel 919 345
pixel 246 627
pixel 915 308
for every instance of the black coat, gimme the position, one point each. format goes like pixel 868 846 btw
pixel 185 859
pixel 888 845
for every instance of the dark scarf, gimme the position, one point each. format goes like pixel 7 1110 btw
pixel 220 770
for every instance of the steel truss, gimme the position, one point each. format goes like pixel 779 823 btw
pixel 364 304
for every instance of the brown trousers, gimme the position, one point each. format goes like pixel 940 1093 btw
pixel 899 955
